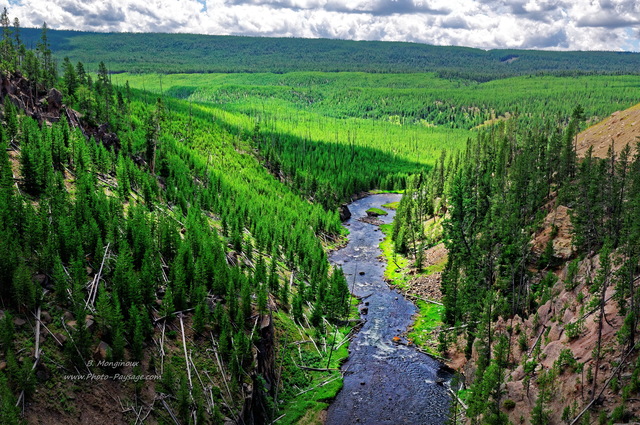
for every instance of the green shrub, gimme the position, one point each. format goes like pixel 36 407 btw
pixel 574 330
pixel 509 404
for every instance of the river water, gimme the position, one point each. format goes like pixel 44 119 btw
pixel 385 383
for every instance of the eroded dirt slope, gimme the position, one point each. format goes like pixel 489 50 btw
pixel 620 129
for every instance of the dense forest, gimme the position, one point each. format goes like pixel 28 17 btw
pixel 316 126
pixel 171 53
pixel 495 197
pixel 123 221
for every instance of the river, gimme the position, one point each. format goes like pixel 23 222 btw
pixel 385 383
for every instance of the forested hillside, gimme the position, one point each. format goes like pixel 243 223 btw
pixel 540 285
pixel 171 53
pixel 317 126
pixel 139 239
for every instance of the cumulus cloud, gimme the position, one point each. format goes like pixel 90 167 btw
pixel 607 20
pixel 540 24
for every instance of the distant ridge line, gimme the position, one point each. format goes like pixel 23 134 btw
pixel 193 53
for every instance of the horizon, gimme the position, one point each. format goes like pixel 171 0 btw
pixel 35 28
pixel 551 25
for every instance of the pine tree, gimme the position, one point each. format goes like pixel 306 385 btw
pixel 224 341
pixel 10 119
pixel 260 271
pixel 316 315
pixel 122 174
pixel 284 296
pixel 70 78
pixel 168 380
pixel 26 378
pixel 7 332
pixel 241 352
pixel 60 281
pixel 262 297
pixel 183 396
pixel 168 306
pixel 599 287
pixel 104 312
pixel 81 74
pixel 24 289
pixel 7 49
pixel 137 337
pixel 153 129
pixel 50 74
pixel 245 302
pixel 540 414
pixel 274 281
pixel 200 318
pixel 9 412
pixel 118 342
pixel 78 350
pixel 337 303
pixel 297 308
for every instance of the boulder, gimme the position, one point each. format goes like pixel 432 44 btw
pixel 18 102
pixel 568 316
pixel 544 312
pixel 555 333
pixel 518 373
pixel 551 353
pixel 516 391
pixel 54 100
pixel 101 352
pixel 60 338
pixel 345 214
pixel 42 372
pixel 89 324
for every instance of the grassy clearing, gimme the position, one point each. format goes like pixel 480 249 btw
pixel 396 263
pixel 428 319
pixel 379 191
pixel 376 212
pixel 392 205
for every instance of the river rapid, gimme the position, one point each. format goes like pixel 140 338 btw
pixel 385 383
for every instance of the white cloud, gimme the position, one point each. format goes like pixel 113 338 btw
pixel 547 24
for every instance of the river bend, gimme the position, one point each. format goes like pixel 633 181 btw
pixel 385 383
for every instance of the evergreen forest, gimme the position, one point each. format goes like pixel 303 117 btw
pixel 171 220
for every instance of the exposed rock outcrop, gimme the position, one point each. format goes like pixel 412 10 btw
pixel 557 227
pixel 46 106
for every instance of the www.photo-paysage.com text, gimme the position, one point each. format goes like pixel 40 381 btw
pixel 116 377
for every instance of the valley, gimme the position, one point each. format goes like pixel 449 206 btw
pixel 272 239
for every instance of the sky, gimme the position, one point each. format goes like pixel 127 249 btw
pixel 487 24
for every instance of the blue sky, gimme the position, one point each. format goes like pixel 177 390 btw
pixel 528 24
